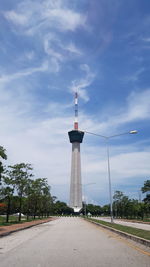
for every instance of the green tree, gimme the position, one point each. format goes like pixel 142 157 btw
pixel 3 156
pixel 93 209
pixel 146 187
pixel 6 192
pixel 117 203
pixel 19 175
pixel 61 208
pixel 39 197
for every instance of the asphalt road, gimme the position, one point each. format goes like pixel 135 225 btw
pixel 70 242
pixel 126 223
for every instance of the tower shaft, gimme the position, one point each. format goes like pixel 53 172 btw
pixel 75 185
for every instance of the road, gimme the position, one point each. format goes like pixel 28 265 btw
pixel 70 242
pixel 132 224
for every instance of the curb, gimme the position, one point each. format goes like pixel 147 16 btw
pixel 20 229
pixel 129 236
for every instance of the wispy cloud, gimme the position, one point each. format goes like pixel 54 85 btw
pixel 65 19
pixel 146 39
pixel 58 51
pixel 81 84
pixel 136 108
pixel 73 49
pixel 16 18
pixel 135 76
pixel 26 72
pixel 35 16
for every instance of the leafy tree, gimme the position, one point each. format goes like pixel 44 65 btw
pixel 61 208
pixel 6 192
pixel 93 209
pixel 146 187
pixel 147 199
pixel 39 197
pixel 118 203
pixel 3 156
pixel 106 210
pixel 19 175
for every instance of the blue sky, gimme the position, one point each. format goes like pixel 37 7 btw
pixel 50 48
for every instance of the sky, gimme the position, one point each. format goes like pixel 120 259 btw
pixel 48 50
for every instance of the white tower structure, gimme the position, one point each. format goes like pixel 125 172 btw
pixel 76 138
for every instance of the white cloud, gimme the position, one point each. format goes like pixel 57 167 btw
pixel 123 165
pixel 135 76
pixel 81 84
pixel 30 55
pixel 65 19
pixel 136 108
pixel 16 18
pixel 58 51
pixel 46 66
pixel 38 15
pixel 147 40
pixel 50 41
pixel 73 49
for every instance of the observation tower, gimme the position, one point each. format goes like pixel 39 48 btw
pixel 76 138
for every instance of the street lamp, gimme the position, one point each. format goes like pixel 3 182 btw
pixel 108 162
pixel 85 198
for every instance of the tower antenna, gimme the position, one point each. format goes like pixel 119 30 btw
pixel 76 111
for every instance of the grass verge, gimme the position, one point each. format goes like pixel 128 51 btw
pixel 127 229
pixel 14 220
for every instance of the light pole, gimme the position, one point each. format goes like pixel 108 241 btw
pixel 108 162
pixel 84 185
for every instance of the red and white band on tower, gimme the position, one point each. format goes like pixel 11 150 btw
pixel 76 111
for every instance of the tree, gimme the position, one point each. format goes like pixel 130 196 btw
pixel 3 153
pixel 93 209
pixel 19 175
pixel 61 208
pixel 6 192
pixel 146 187
pixel 3 156
pixel 39 197
pixel 117 204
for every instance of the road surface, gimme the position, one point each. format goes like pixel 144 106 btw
pixel 132 224
pixel 70 242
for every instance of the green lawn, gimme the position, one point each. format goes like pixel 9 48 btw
pixel 127 229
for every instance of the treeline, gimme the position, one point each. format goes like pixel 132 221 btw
pixel 123 206
pixel 22 193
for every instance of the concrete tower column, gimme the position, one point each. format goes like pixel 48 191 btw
pixel 76 138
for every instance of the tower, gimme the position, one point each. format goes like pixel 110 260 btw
pixel 76 138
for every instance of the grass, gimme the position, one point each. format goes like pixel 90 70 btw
pixel 137 219
pixel 14 220
pixel 127 229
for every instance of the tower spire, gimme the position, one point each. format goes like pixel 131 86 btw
pixel 76 111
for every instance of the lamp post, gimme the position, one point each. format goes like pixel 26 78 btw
pixel 84 185
pixel 108 162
